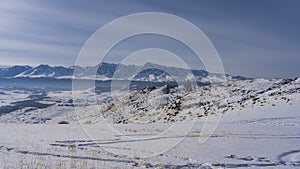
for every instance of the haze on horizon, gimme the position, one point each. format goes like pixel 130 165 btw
pixel 257 38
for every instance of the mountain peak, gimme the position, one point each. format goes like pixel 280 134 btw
pixel 42 66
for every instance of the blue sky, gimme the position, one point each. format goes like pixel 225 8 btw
pixel 256 38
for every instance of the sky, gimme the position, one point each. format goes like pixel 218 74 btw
pixel 254 38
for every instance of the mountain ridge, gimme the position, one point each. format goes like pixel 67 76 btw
pixel 110 71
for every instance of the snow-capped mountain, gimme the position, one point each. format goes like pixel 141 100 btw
pixel 46 71
pixel 13 71
pixel 108 71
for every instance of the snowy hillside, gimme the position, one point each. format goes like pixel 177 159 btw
pixel 149 105
pixel 155 105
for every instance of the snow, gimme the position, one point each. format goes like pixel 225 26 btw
pixel 181 105
pixel 256 137
pixel 259 127
pixel 213 79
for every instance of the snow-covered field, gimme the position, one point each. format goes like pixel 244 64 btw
pixel 258 137
pixel 259 127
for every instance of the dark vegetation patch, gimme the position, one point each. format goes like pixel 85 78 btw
pixel 33 102
pixel 63 122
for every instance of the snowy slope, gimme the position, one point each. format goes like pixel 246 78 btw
pixel 150 106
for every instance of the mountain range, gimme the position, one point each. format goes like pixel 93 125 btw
pixel 109 71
